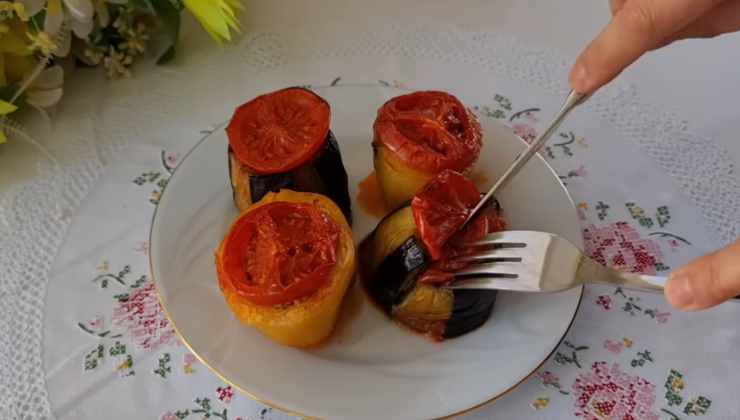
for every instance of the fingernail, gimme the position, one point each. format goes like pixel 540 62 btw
pixel 579 78
pixel 678 290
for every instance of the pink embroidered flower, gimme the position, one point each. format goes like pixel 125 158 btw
pixel 526 132
pixel 225 394
pixel 581 209
pixel 189 358
pixel 144 319
pixel 172 159
pixel 613 346
pixel 548 378
pixel 142 247
pixel 619 245
pixel 531 116
pixel 604 301
pixel 169 416
pixel 606 393
pixel 96 324
pixel 662 317
pixel 581 171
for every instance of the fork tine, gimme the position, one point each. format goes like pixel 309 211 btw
pixel 487 270
pixel 488 258
pixel 484 283
pixel 496 243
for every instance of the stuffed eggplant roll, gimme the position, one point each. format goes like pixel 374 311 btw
pixel 282 140
pixel 412 254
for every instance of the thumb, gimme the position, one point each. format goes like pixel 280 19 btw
pixel 638 26
pixel 706 281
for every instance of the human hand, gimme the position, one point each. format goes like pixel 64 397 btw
pixel 706 281
pixel 638 26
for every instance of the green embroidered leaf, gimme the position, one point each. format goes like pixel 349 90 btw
pixel 94 357
pixel 117 349
pixel 697 406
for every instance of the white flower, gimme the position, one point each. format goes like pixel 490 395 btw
pixel 32 6
pixel 78 13
pixel 46 90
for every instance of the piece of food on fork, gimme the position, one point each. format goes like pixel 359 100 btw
pixel 410 255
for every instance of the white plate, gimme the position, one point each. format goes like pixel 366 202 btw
pixel 371 368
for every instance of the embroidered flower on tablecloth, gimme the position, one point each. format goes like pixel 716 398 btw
pixel 142 247
pixel 144 319
pixel 525 131
pixel 610 393
pixel 169 416
pixel 188 360
pixel 620 246
pixel 604 301
pixel 225 394
pixel 582 208
pixel 613 346
pixel 541 403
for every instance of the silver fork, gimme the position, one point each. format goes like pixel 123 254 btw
pixel 527 261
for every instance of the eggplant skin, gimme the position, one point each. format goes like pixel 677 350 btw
pixel 471 309
pixel 324 174
pixel 396 276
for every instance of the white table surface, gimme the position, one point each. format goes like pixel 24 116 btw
pixel 697 79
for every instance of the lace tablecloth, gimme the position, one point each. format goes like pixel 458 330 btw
pixel 82 335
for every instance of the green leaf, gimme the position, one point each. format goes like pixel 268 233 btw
pixel 167 56
pixel 6 107
pixel 170 17
pixel 145 6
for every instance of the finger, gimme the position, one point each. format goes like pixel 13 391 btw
pixel 707 281
pixel 616 5
pixel 723 19
pixel 638 27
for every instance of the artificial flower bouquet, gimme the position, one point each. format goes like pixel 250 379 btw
pixel 38 36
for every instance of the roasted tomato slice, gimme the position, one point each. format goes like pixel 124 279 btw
pixel 442 270
pixel 442 207
pixel 280 252
pixel 279 131
pixel 429 130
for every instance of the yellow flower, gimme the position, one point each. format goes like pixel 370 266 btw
pixel 541 403
pixel 18 8
pixel 627 342
pixel 5 109
pixel 218 17
pixel 126 364
pixel 42 42
pixel 677 384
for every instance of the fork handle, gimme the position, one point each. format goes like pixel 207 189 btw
pixel 592 272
